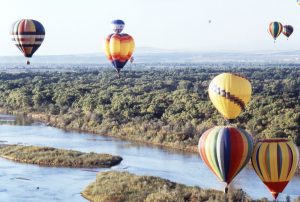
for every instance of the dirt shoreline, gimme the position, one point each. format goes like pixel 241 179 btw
pixel 54 120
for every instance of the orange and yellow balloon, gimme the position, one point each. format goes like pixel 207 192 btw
pixel 230 93
pixel 119 48
pixel 275 162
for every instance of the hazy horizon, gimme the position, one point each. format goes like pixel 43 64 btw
pixel 81 27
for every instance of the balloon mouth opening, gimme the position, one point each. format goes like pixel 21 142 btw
pixel 274 140
pixel 275 195
pixel 229 121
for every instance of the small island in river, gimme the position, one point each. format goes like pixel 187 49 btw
pixel 123 186
pixel 48 156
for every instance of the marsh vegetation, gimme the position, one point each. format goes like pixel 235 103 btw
pixel 123 186
pixel 52 157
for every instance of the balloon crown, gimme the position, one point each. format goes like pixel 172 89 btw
pixel 274 140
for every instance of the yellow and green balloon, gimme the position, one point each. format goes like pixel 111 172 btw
pixel 275 162
pixel 275 29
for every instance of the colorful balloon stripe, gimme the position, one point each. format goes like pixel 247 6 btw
pixel 28 35
pixel 275 162
pixel 275 29
pixel 225 150
pixel 119 49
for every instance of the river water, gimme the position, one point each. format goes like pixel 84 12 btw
pixel 25 182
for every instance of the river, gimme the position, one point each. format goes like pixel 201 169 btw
pixel 25 182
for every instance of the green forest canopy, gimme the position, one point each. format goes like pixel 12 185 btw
pixel 168 107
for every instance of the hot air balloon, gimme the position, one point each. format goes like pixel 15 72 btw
pixel 225 150
pixel 28 36
pixel 287 30
pixel 275 162
pixel 119 49
pixel 275 29
pixel 118 26
pixel 230 94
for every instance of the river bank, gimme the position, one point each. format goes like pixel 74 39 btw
pixel 52 157
pixel 58 122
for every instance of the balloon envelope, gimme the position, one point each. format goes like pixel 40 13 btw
pixel 118 26
pixel 225 150
pixel 275 162
pixel 230 94
pixel 287 30
pixel 119 49
pixel 275 29
pixel 28 35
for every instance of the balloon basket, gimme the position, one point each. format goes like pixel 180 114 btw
pixel 118 73
pixel 226 190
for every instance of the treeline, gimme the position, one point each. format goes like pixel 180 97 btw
pixel 163 106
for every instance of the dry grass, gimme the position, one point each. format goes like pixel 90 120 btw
pixel 48 156
pixel 123 186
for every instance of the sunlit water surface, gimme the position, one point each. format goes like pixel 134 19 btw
pixel 25 182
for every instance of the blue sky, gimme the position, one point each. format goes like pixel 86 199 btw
pixel 80 26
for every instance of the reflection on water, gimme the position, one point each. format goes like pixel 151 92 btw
pixel 65 184
pixel 14 120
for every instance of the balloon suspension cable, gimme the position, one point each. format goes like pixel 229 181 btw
pixel 28 62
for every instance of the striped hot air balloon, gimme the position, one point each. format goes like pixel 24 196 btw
pixel 119 49
pixel 275 162
pixel 230 94
pixel 28 36
pixel 225 150
pixel 118 26
pixel 275 29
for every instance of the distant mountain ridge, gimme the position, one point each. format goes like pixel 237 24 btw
pixel 155 55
